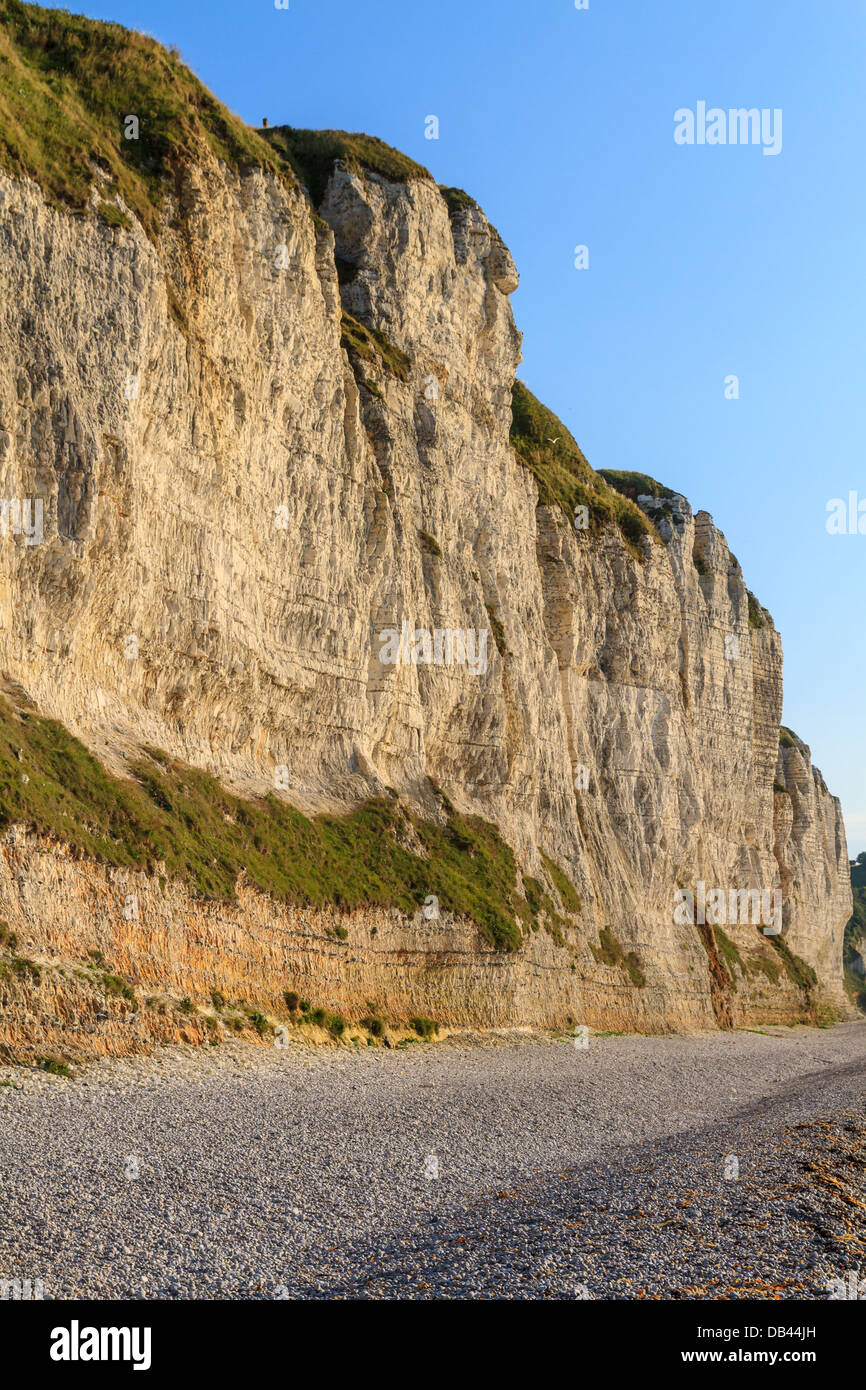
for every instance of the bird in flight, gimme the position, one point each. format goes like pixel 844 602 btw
pixel 553 441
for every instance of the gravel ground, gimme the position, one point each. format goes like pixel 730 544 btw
pixel 517 1169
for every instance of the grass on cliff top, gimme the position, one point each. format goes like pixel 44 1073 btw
pixel 311 155
pixel 457 200
pixel 544 445
pixel 68 83
pixel 635 485
pixel 178 816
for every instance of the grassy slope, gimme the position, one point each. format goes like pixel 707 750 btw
pixel 636 485
pixel 564 477
pixel 66 87
pixel 178 816
pixel 311 155
pixel 68 83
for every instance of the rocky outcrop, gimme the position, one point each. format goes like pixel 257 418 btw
pixel 241 501
pixel 810 849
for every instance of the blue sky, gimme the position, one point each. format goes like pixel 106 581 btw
pixel 704 261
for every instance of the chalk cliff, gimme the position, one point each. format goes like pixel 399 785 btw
pixel 265 435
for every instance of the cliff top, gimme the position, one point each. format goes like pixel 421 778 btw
pixel 311 155
pixel 78 94
pixel 67 88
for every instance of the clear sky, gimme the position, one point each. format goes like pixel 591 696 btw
pixel 704 261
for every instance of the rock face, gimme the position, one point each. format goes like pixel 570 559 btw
pixel 248 532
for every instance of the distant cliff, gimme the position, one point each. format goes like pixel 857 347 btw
pixel 284 513
pixel 855 935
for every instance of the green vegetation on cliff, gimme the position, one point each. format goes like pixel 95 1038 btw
pixel 368 345
pixel 610 952
pixel 381 854
pixel 311 155
pixel 757 615
pixel 456 199
pixel 636 485
pixel 544 445
pixel 67 86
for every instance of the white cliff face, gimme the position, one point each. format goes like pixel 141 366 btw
pixel 233 525
pixel 812 855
